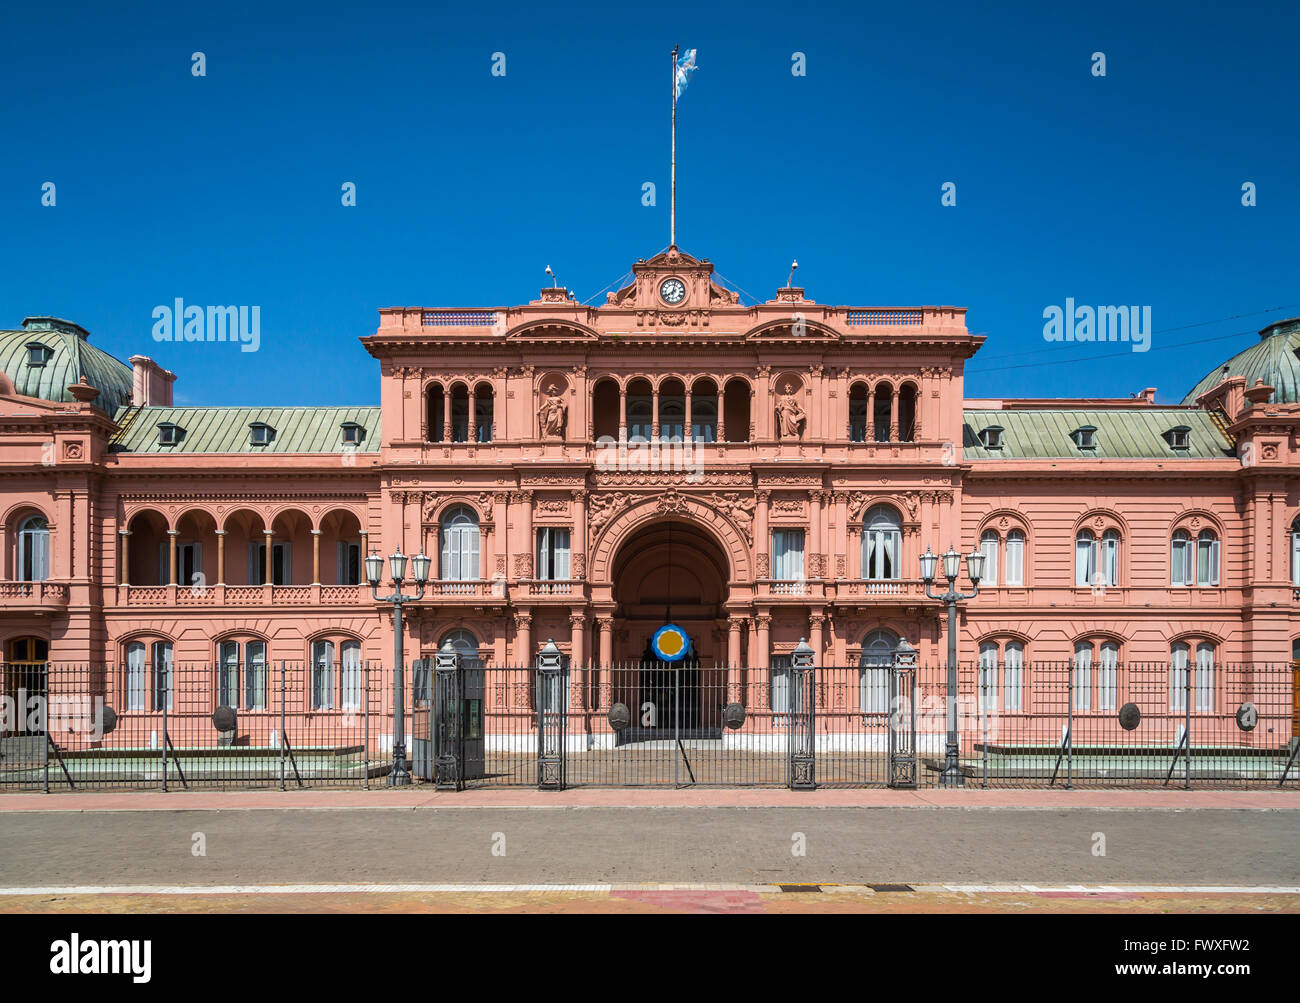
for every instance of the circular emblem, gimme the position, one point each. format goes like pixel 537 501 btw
pixel 670 643
pixel 107 721
pixel 223 718
pixel 673 291
pixel 1129 716
pixel 733 715
pixel 619 716
pixel 1247 716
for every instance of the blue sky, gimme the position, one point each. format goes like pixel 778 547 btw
pixel 226 189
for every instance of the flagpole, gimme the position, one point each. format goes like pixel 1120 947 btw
pixel 672 212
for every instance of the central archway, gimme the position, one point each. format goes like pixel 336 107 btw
pixel 669 567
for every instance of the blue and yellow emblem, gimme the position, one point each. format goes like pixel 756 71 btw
pixel 670 643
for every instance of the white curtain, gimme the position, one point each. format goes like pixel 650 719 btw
pixel 1085 559
pixel 787 555
pixel 882 544
pixel 1110 557
pixel 322 675
pixel 988 682
pixel 255 675
pixel 1013 679
pixel 1180 560
pixel 779 690
pixel 1082 673
pixel 1295 555
pixel 989 547
pixel 1207 558
pixel 1204 678
pixel 1178 677
pixel 351 675
pixel 1107 676
pixel 1015 568
pixel 135 676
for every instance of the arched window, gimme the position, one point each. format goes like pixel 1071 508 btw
pixel 907 398
pixel 241 674
pixel 460 545
pixel 882 544
pixel 1013 680
pixel 435 413
pixel 858 413
pixel 735 410
pixel 464 644
pixel 878 649
pixel 1096 564
pixel 1108 676
pixel 989 548
pixel 163 690
pixel 883 411
pixel 1204 689
pixel 34 549
pixel 322 675
pixel 1015 561
pixel 988 675
pixel 483 413
pixel 1082 676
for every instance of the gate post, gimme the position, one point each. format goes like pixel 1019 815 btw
pixel 902 718
pixel 552 694
pixel 802 735
pixel 445 727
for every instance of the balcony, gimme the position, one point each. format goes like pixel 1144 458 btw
pixel 241 595
pixel 36 598
pixel 471 590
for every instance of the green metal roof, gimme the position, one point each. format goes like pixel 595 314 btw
pixel 225 429
pixel 1273 359
pixel 1122 434
pixel 73 357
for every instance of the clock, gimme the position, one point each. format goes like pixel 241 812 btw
pixel 673 291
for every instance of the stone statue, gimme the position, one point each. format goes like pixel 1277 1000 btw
pixel 790 417
pixel 553 414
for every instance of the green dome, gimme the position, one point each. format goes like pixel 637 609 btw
pixel 70 357
pixel 1272 359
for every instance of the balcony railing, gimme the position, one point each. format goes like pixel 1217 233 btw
pixel 240 595
pixel 881 587
pixel 477 588
pixel 33 595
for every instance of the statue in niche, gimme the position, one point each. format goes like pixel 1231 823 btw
pixel 553 414
pixel 790 417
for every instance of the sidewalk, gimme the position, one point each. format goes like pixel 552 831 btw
pixel 420 797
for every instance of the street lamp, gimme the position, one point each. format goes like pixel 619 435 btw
pixel 399 776
pixel 952 775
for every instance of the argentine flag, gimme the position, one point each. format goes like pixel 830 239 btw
pixel 685 67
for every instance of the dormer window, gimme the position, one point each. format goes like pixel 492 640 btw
pixel 260 434
pixel 353 433
pixel 1085 437
pixel 38 354
pixel 1179 438
pixel 169 434
pixel 991 437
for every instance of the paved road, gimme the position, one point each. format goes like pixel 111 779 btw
pixel 574 845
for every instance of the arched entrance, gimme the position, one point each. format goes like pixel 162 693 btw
pixel 671 571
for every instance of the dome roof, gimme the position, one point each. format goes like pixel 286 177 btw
pixel 70 357
pixel 1272 359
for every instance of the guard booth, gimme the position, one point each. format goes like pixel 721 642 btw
pixel 449 695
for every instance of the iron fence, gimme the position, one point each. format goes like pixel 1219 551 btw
pixel 293 724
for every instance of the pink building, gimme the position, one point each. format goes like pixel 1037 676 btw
pixel 760 473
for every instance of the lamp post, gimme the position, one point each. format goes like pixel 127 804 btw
pixel 400 775
pixel 952 775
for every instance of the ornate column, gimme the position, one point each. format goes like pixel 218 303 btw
pixel 816 623
pixel 871 413
pixel 605 625
pixel 315 556
pixel 735 624
pixel 722 410
pixel 268 564
pixel 471 434
pixel 622 414
pixel 654 413
pixel 764 623
pixel 686 428
pixel 762 542
pixel 501 538
pixel 523 639
pixel 221 557
pixel 841 534
pixel 524 560
pixel 816 564
pixel 893 414
pixel 578 565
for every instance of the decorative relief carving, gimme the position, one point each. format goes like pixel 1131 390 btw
pixel 552 416
pixel 579 566
pixel 761 560
pixel 523 565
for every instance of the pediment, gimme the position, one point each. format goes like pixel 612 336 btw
pixel 557 329
pixel 784 330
